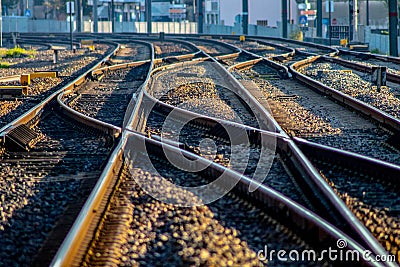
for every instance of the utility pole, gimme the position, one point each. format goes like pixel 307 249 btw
pixel 355 33
pixel 201 16
pixel 351 11
pixel 330 22
pixel 1 25
pixel 148 15
pixel 78 15
pixel 393 17
pixel 284 18
pixel 70 24
pixel 112 16
pixel 245 16
pixel 319 18
pixel 95 17
pixel 194 10
pixel 367 7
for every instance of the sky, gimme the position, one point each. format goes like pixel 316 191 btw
pixel 258 10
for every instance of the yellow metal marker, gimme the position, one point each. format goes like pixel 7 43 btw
pixel 343 42
pixel 25 79
pixel 44 74
pixel 86 42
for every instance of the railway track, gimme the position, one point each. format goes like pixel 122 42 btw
pixel 215 48
pixel 353 84
pixel 121 223
pixel 42 88
pixel 50 164
pixel 294 106
pixel 368 187
pixel 303 48
pixel 256 47
pixel 107 95
pixel 302 112
pixel 152 230
pixel 172 51
pixel 200 87
pixel 368 60
pixel 166 98
pixel 164 49
pixel 46 182
pixel 209 143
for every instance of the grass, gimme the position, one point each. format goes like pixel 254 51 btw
pixel 376 51
pixel 4 65
pixel 16 52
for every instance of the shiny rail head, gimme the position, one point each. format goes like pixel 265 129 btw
pixel 189 162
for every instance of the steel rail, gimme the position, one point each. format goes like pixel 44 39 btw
pixel 307 222
pixel 358 105
pixel 333 51
pixel 347 159
pixel 314 181
pixel 220 57
pixel 368 69
pixel 38 109
pixel 362 234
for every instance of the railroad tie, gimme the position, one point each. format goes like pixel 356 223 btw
pixel 236 133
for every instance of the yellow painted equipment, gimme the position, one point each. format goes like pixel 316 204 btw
pixel 91 47
pixel 44 74
pixel 347 71
pixel 343 42
pixel 25 79
pixel 242 38
pixel 362 48
pixel 86 42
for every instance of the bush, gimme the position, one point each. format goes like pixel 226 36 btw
pixel 4 65
pixel 376 51
pixel 17 52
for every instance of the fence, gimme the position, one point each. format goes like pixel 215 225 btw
pixel 23 24
pixel 381 43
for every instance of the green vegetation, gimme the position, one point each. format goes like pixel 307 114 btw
pixel 16 52
pixel 4 65
pixel 376 51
